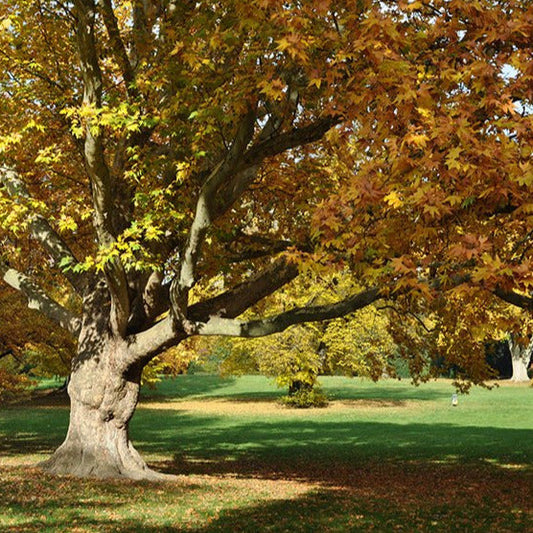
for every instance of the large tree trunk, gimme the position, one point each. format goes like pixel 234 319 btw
pixel 103 398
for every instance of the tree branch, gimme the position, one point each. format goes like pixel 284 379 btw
pixel 514 298
pixel 141 30
pixel 288 140
pixel 41 229
pixel 102 184
pixel 228 304
pixel 101 179
pixel 205 214
pixel 216 325
pixel 39 300
pixel 118 48
pixel 241 297
pixel 226 183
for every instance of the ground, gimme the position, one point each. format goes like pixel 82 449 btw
pixel 382 457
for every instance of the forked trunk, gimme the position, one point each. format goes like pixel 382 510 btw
pixel 103 399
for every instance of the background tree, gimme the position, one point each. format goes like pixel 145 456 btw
pixel 178 149
pixel 30 345
pixel 520 358
pixel 358 344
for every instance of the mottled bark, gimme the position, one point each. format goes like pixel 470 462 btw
pixel 103 395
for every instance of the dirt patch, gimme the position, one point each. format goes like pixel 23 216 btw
pixel 225 407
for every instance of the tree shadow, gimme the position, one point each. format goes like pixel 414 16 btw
pixel 186 386
pixel 386 393
pixel 50 503
pixel 366 475
pixel 31 430
pixel 343 511
pixel 204 437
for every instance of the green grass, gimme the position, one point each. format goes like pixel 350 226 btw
pixel 382 457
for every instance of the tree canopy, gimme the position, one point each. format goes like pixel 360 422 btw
pixel 165 166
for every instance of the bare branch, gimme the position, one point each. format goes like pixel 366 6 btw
pixel 226 184
pixel 39 300
pixel 275 324
pixel 118 48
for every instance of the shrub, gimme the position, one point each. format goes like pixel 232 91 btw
pixel 305 398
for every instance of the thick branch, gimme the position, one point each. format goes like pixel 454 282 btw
pixel 101 180
pixel 41 229
pixel 228 304
pixel 288 140
pixel 103 187
pixel 227 183
pixel 246 294
pixel 514 298
pixel 278 323
pixel 245 173
pixel 39 300
pixel 141 29
pixel 205 213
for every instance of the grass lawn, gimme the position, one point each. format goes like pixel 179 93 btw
pixel 381 457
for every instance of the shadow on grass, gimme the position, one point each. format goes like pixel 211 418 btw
pixel 26 430
pixel 367 476
pixel 259 388
pixel 173 432
pixel 385 393
pixel 205 437
pixel 187 386
pixel 345 511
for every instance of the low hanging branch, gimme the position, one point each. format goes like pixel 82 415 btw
pixel 218 320
pixel 278 323
pixel 39 300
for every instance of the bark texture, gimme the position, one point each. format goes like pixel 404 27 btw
pixel 520 356
pixel 103 397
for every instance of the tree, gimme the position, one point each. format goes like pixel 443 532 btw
pixel 30 345
pixel 520 357
pixel 167 165
pixel 357 344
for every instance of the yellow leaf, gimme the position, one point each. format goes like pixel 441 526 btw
pixel 417 139
pixel 393 199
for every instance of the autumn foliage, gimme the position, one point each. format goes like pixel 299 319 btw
pixel 166 166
